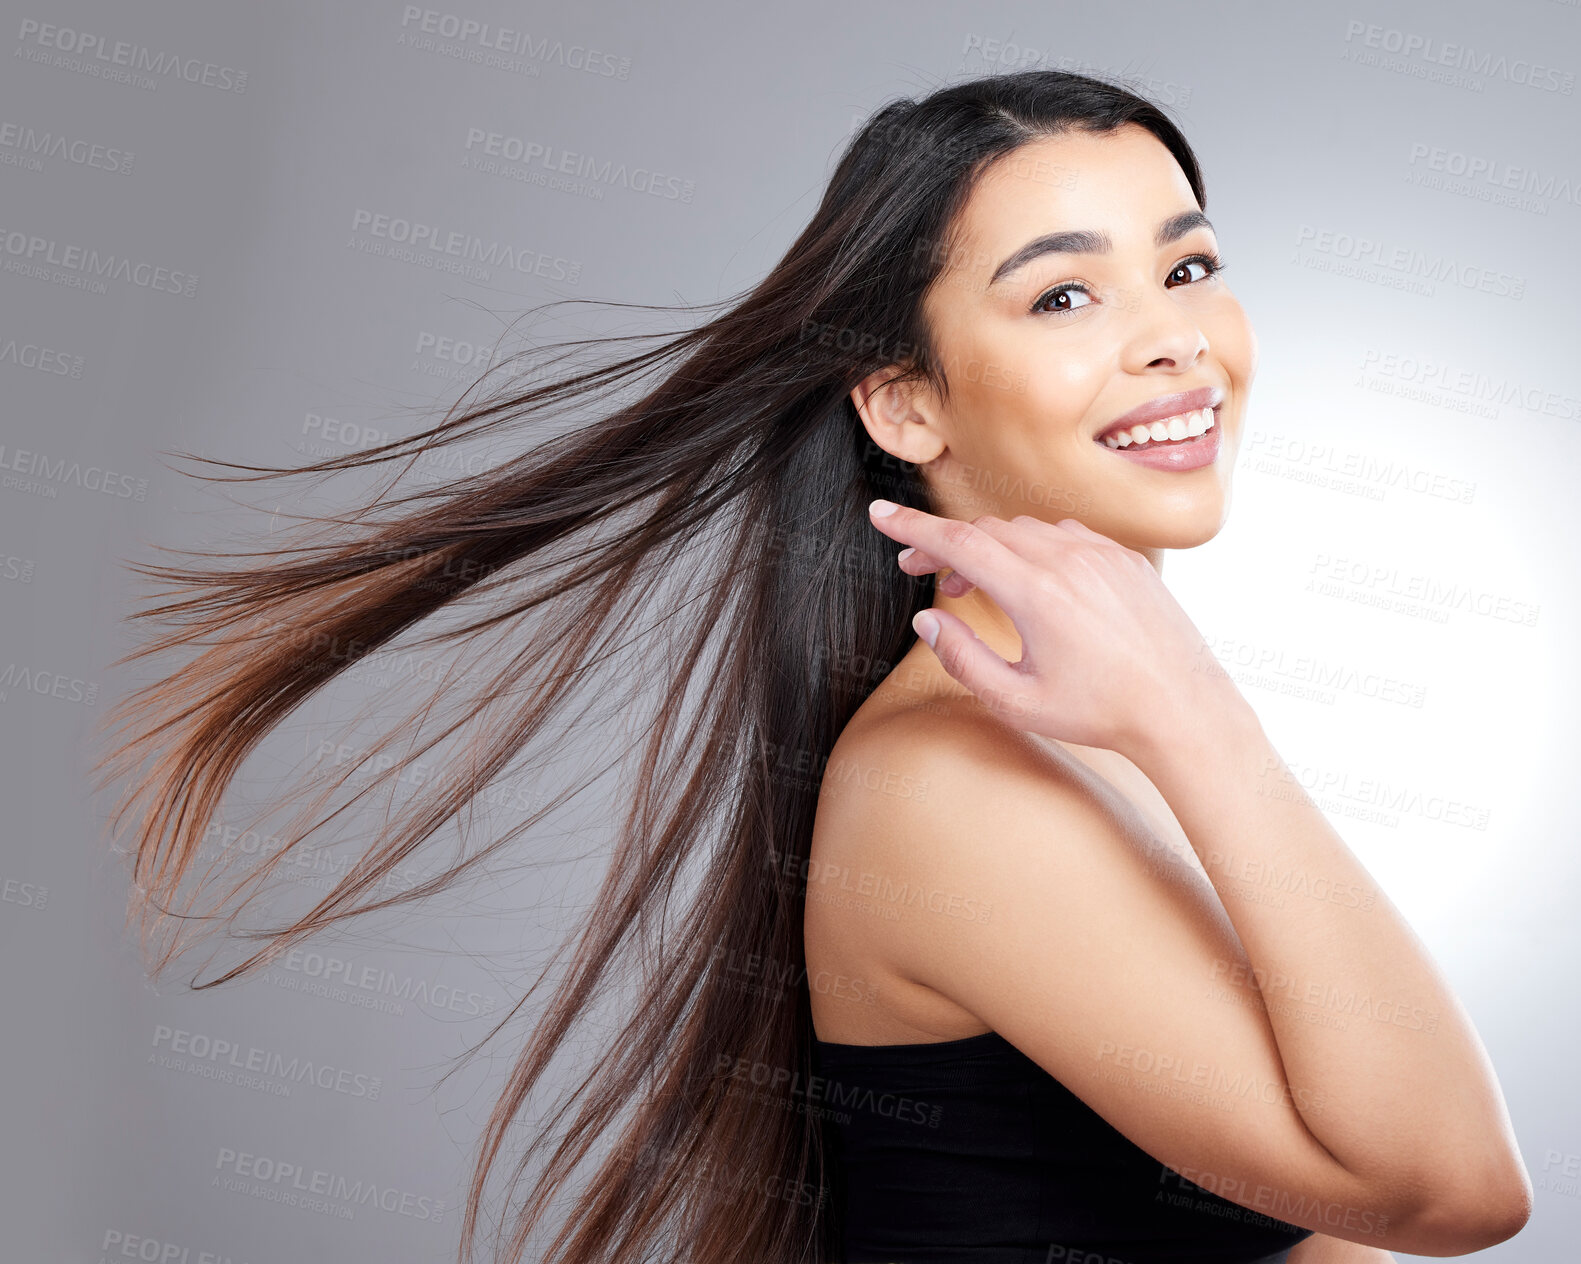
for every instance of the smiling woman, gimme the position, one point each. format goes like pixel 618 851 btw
pixel 1121 329
pixel 969 958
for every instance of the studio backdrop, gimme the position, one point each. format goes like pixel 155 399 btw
pixel 278 233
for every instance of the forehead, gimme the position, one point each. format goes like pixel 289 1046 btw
pixel 1122 182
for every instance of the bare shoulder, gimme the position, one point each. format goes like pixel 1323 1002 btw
pixel 908 832
pixel 922 828
pixel 991 880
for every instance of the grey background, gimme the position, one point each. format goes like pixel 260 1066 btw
pixel 1314 135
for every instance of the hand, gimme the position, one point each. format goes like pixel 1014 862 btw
pixel 1108 657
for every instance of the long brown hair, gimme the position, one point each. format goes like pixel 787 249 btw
pixel 727 496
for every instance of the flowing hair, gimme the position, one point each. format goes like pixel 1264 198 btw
pixel 724 495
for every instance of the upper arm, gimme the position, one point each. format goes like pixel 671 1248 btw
pixel 1030 897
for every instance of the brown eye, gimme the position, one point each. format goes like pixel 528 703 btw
pixel 1182 270
pixel 1059 299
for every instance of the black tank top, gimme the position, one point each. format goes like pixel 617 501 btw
pixel 969 1150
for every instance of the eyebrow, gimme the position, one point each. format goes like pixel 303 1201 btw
pixel 1083 241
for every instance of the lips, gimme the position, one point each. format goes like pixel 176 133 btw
pixel 1164 407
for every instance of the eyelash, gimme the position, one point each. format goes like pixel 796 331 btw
pixel 1213 261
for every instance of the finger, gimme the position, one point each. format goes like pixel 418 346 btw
pixel 980 558
pixel 998 685
pixel 1077 527
pixel 950 584
pixel 915 562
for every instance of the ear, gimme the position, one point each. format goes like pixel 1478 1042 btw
pixel 899 416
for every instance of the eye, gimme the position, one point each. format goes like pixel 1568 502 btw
pixel 1058 300
pixel 1061 295
pixel 1211 265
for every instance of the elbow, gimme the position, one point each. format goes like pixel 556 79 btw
pixel 1505 1214
pixel 1472 1218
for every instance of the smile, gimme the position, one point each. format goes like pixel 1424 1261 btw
pixel 1186 441
pixel 1169 429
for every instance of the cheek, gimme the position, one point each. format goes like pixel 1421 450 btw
pixel 1027 401
pixel 1062 384
pixel 1037 410
pixel 1234 343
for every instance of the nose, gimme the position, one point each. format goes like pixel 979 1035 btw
pixel 1163 335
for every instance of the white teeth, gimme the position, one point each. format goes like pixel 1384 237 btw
pixel 1183 426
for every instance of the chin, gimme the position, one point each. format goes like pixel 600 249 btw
pixel 1180 527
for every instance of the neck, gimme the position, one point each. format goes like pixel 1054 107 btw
pixel 987 618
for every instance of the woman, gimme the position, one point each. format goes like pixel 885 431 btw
pixel 960 948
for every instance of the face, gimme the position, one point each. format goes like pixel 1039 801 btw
pixel 1045 350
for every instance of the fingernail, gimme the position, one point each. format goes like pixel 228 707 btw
pixel 881 508
pixel 926 626
pixel 904 553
